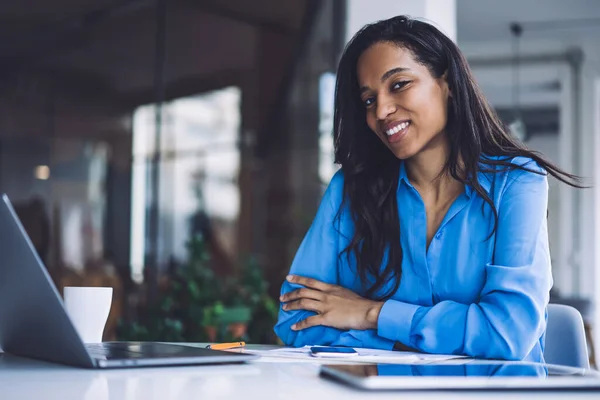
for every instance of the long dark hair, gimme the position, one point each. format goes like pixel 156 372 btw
pixel 371 169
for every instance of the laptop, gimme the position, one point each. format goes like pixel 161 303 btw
pixel 465 375
pixel 34 323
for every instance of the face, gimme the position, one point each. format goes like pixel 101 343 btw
pixel 405 105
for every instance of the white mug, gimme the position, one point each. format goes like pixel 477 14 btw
pixel 88 309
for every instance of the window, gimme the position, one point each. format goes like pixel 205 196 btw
pixel 198 150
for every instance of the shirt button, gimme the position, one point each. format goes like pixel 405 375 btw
pixel 438 235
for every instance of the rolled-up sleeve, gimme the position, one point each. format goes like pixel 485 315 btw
pixel 509 317
pixel 317 257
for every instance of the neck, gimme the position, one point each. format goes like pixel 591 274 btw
pixel 425 170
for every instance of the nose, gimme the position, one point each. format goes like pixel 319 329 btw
pixel 385 107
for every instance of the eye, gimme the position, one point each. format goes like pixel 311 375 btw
pixel 369 101
pixel 399 85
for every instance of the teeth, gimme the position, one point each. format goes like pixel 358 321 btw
pixel 397 129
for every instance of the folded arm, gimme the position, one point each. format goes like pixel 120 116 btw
pixel 321 334
pixel 317 258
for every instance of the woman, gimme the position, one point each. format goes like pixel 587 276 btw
pixel 433 234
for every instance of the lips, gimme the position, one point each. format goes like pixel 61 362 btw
pixel 396 130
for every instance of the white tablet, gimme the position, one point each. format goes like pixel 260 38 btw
pixel 474 375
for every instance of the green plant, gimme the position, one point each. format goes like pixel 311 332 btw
pixel 198 306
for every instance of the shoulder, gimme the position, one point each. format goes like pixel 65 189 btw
pixel 337 181
pixel 335 190
pixel 528 163
pixel 518 175
pixel 527 172
pixel 495 167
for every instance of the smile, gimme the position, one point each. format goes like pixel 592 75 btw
pixel 396 130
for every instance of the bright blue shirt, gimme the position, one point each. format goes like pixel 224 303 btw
pixel 467 294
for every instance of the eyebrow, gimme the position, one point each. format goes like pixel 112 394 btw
pixel 385 76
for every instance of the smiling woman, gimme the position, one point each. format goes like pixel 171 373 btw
pixel 433 234
pixel 397 97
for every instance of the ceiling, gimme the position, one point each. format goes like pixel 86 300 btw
pixel 108 46
pixel 489 20
pixel 550 27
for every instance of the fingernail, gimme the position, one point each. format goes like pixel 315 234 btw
pixel 281 298
pixel 294 327
pixel 290 278
pixel 285 307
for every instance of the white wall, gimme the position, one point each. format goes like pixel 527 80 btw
pixel 548 144
pixel 442 13
pixel 596 198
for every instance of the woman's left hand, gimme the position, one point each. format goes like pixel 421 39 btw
pixel 335 306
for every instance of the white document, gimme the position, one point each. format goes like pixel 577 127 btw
pixel 299 354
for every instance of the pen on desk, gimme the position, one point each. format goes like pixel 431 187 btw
pixel 225 346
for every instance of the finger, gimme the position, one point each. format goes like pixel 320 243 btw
pixel 315 320
pixel 310 283
pixel 302 293
pixel 304 304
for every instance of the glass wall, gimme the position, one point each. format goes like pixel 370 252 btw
pixel 198 171
pixel 326 106
pixel 238 167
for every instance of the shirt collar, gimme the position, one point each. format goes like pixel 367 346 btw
pixel 403 176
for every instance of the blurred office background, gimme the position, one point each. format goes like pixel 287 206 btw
pixel 177 149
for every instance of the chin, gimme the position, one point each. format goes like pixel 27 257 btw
pixel 402 156
pixel 402 152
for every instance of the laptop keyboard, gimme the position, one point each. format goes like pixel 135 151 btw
pixel 147 353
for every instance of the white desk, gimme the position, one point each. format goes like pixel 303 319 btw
pixel 27 379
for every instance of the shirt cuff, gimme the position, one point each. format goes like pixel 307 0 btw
pixel 395 321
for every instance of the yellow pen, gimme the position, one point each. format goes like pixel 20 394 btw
pixel 225 346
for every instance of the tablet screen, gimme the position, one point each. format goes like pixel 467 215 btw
pixel 477 374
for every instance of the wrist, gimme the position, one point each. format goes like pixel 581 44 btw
pixel 373 314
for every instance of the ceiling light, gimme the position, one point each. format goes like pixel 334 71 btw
pixel 42 172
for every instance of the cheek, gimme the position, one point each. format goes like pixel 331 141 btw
pixel 430 110
pixel 372 120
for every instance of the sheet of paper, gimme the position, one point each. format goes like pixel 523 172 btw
pixel 286 350
pixel 364 356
